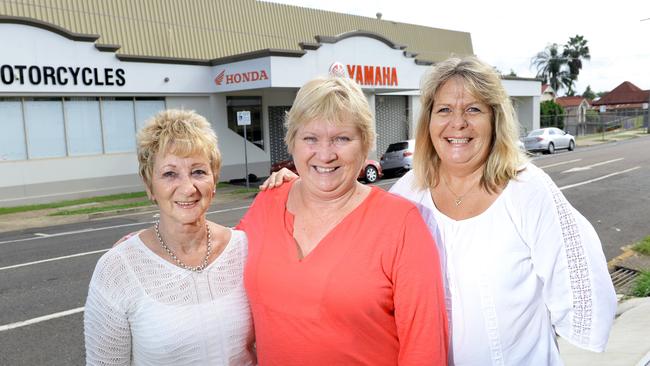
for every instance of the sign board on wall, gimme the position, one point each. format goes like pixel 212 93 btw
pixel 43 61
pixel 243 118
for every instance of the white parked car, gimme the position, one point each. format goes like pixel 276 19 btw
pixel 548 140
pixel 398 157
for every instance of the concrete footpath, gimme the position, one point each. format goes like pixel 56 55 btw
pixel 629 340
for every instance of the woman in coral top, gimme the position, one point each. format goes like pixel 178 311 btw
pixel 340 273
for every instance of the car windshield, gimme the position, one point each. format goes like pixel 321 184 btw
pixel 536 133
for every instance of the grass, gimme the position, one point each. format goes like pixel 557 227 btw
pixel 643 246
pixel 81 201
pixel 88 210
pixel 243 190
pixel 641 286
pixel 99 199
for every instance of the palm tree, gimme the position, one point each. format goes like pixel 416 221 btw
pixel 550 65
pixel 575 51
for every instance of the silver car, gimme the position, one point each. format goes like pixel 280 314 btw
pixel 548 140
pixel 398 157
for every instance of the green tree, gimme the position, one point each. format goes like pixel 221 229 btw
pixel 551 115
pixel 588 93
pixel 575 51
pixel 551 67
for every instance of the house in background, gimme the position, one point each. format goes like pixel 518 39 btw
pixel 625 106
pixel 626 96
pixel 575 109
pixel 548 93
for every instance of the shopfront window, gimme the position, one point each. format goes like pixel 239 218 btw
pixel 119 125
pixel 83 126
pixel 12 138
pixel 35 128
pixel 254 106
pixel 45 130
pixel 145 108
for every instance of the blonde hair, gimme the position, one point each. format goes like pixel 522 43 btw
pixel 180 132
pixel 483 82
pixel 336 100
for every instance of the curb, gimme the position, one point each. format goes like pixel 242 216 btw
pixel 121 211
pixel 627 253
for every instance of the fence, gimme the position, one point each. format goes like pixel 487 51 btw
pixel 594 122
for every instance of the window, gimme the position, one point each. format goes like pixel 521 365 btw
pixel 119 125
pixel 42 127
pixel 254 105
pixel 145 109
pixel 12 138
pixel 397 146
pixel 45 130
pixel 83 126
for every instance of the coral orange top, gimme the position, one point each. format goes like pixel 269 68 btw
pixel 370 293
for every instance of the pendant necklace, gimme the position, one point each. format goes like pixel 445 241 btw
pixel 459 198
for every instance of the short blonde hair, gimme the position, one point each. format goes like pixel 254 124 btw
pixel 180 132
pixel 336 100
pixel 483 82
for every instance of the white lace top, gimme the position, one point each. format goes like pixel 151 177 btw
pixel 143 310
pixel 527 267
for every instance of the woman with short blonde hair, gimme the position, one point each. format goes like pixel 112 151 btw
pixel 340 273
pixel 173 293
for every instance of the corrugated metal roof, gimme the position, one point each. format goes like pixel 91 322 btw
pixel 212 29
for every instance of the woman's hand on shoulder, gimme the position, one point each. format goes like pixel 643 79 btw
pixel 278 178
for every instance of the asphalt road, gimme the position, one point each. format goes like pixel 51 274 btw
pixel 44 273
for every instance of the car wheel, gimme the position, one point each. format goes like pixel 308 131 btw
pixel 572 145
pixel 551 148
pixel 370 174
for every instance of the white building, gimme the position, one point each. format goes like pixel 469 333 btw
pixel 71 106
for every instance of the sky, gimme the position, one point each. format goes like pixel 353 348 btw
pixel 509 33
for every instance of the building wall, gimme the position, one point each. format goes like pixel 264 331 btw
pixel 415 108
pixel 47 180
pixel 527 112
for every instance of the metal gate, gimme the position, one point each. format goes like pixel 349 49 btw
pixel 276 133
pixel 391 116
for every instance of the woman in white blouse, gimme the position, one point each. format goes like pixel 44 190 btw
pixel 521 263
pixel 173 294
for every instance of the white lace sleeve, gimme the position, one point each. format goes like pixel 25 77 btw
pixel 568 258
pixel 106 329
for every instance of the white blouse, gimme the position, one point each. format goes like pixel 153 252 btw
pixel 143 310
pixel 526 268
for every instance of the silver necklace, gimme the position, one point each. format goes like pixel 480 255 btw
pixel 180 263
pixel 459 198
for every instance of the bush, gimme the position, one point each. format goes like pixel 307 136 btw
pixel 551 114
pixel 641 286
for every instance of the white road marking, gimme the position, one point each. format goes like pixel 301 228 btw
pixel 52 259
pixel 599 178
pixel 41 235
pixel 561 163
pixel 581 168
pixel 40 319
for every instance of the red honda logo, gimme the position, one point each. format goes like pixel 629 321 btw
pixel 219 79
